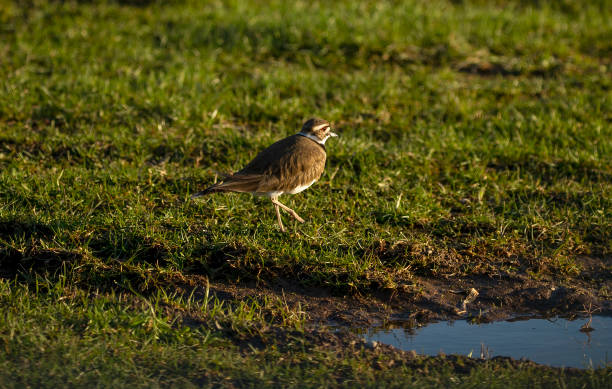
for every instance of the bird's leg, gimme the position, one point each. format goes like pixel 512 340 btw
pixel 278 217
pixel 286 208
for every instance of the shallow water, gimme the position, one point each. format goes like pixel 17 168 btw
pixel 556 342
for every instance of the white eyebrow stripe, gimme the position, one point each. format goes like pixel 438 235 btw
pixel 320 126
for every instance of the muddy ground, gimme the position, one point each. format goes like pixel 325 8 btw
pixel 423 299
pixel 333 318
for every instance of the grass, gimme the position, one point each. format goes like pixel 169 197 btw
pixel 475 140
pixel 87 339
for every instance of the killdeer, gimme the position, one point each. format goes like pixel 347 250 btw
pixel 290 165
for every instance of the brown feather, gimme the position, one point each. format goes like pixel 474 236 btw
pixel 289 163
pixel 285 165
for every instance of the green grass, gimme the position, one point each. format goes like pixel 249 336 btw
pixel 50 339
pixel 475 139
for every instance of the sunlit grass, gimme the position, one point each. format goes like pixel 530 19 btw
pixel 475 138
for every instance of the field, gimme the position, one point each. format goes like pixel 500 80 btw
pixel 475 151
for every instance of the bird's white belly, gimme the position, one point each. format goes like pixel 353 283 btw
pixel 301 188
pixel 270 194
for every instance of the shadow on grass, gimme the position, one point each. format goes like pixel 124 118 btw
pixel 266 40
pixel 129 247
pixel 16 262
pixel 552 172
pixel 29 258
pixel 132 3
pixel 13 228
pixel 112 260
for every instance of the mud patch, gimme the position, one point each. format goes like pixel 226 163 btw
pixel 425 299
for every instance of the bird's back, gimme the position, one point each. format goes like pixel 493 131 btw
pixel 285 165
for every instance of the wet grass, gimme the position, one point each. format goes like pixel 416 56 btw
pixel 475 139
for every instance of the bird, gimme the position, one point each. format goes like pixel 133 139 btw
pixel 289 166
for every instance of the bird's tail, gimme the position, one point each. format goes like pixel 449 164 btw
pixel 234 183
pixel 213 188
pixel 209 190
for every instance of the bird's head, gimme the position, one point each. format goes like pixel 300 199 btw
pixel 317 129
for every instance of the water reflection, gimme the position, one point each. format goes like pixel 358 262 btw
pixel 556 342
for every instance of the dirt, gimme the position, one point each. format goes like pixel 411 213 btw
pixel 333 318
pixel 416 300
pixel 423 300
pixel 411 302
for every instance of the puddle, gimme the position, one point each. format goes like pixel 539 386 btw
pixel 555 342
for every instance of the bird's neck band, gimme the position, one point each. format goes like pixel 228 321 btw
pixel 310 136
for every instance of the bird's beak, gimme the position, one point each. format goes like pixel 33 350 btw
pixel 333 134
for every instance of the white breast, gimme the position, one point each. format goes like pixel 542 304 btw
pixel 301 188
pixel 270 194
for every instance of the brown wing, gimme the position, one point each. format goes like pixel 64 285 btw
pixel 289 163
pixel 286 164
